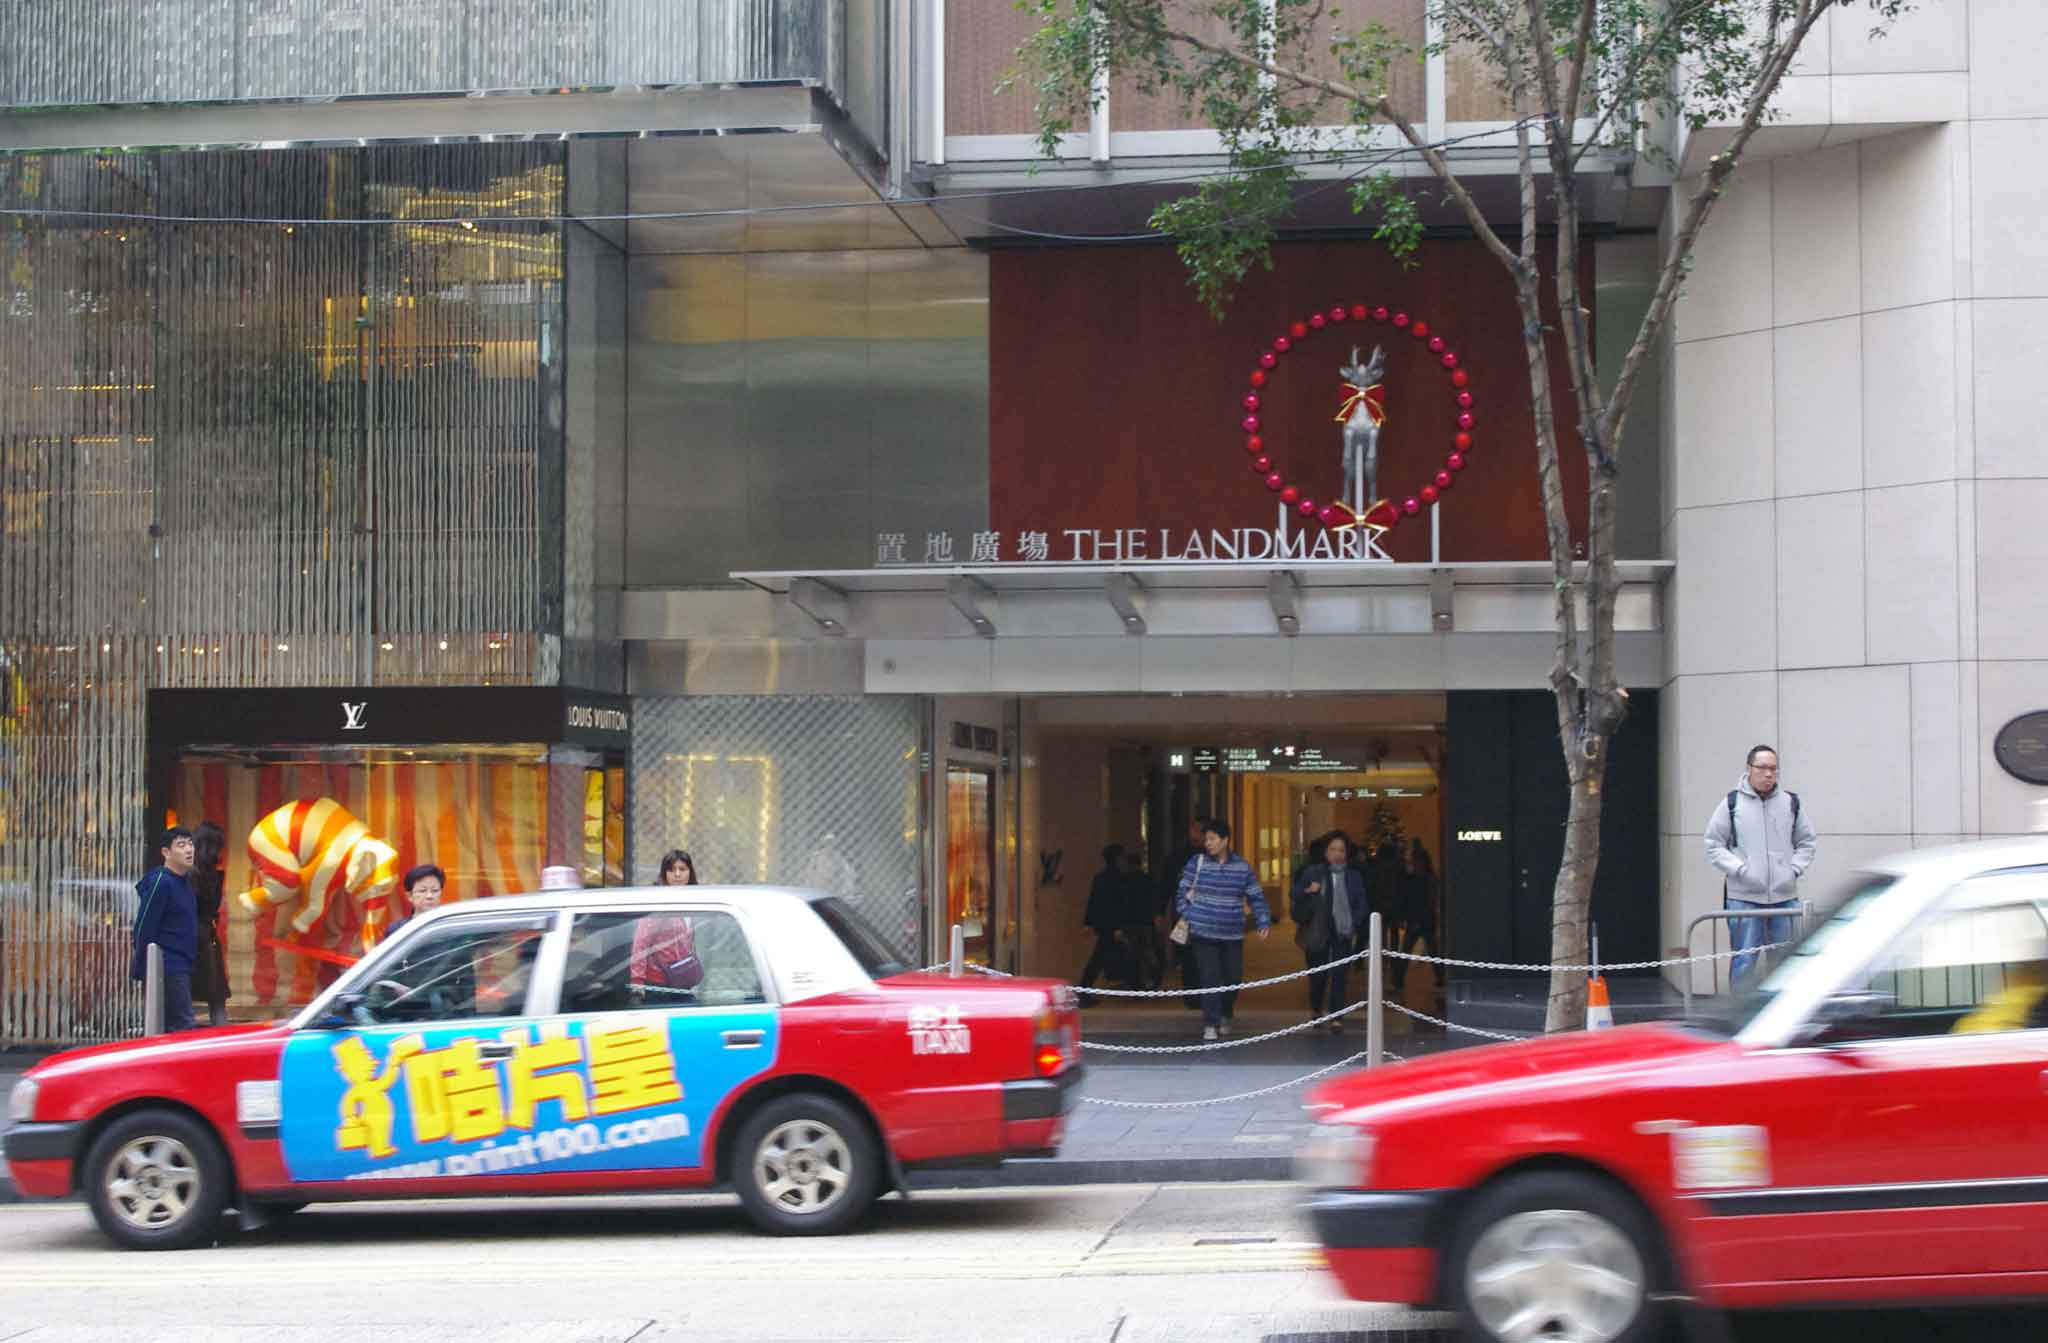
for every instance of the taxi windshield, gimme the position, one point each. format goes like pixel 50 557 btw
pixel 869 947
pixel 1727 1016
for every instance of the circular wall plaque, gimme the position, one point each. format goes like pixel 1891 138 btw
pixel 2022 747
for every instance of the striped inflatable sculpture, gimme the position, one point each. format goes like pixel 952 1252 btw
pixel 314 851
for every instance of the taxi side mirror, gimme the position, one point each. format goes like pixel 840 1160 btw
pixel 344 1012
pixel 1847 1017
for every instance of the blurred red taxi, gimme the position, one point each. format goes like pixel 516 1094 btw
pixel 1868 1124
pixel 569 1043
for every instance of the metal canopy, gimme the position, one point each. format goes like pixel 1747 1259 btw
pixel 1190 576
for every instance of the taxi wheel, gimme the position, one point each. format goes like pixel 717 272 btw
pixel 157 1180
pixel 806 1165
pixel 1555 1255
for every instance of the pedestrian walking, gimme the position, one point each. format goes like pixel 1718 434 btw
pixel 1330 909
pixel 1214 892
pixel 1761 841
pixel 1141 924
pixel 1181 954
pixel 1415 911
pixel 210 966
pixel 167 915
pixel 1384 872
pixel 1106 913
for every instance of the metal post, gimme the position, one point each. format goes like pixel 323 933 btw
pixel 957 959
pixel 153 987
pixel 1375 1022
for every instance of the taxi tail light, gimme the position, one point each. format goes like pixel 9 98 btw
pixel 1053 1045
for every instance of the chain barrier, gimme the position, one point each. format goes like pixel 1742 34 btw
pixel 1315 1023
pixel 1226 988
pixel 1454 1026
pixel 1207 1046
pixel 1584 969
pixel 1357 956
pixel 1273 1090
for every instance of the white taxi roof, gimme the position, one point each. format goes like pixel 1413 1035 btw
pixel 800 954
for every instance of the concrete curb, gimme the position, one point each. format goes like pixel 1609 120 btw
pixel 1025 1174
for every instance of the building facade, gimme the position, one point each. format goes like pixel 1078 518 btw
pixel 870 498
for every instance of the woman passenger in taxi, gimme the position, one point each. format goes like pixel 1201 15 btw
pixel 665 964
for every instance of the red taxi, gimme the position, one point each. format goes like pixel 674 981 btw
pixel 568 1043
pixel 1869 1124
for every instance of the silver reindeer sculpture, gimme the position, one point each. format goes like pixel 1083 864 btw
pixel 1366 409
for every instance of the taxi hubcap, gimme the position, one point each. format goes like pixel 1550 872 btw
pixel 1558 1274
pixel 152 1182
pixel 803 1166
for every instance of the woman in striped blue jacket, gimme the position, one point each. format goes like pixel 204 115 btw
pixel 1215 888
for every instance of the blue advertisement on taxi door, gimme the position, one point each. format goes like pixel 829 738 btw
pixel 626 1091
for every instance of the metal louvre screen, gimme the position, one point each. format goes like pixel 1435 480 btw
pixel 251 454
pixel 812 791
pixel 62 52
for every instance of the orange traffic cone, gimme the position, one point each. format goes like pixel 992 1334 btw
pixel 1599 1014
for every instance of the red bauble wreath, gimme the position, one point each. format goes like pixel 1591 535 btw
pixel 1383 514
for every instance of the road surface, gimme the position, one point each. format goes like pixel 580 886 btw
pixel 1094 1264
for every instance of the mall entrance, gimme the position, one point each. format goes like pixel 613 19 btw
pixel 1141 771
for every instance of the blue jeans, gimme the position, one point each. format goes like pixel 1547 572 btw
pixel 1746 935
pixel 178 1003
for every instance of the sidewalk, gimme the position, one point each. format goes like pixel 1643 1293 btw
pixel 1250 1139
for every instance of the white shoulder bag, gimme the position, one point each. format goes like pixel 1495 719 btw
pixel 1179 935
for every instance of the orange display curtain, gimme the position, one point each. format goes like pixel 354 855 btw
pixel 483 822
pixel 970 840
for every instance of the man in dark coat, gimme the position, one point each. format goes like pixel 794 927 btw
pixel 168 915
pixel 1106 912
pixel 1330 911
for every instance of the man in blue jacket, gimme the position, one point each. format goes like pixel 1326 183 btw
pixel 1214 890
pixel 169 916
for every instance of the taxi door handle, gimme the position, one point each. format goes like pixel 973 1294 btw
pixel 744 1039
pixel 494 1050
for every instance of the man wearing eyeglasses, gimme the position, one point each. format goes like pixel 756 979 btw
pixel 1762 843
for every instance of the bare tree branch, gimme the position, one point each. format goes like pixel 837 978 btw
pixel 1719 169
pixel 1622 98
pixel 1383 105
pixel 1582 42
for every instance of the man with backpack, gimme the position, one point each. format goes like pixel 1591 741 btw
pixel 1761 842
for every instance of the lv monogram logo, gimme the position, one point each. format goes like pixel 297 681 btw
pixel 352 715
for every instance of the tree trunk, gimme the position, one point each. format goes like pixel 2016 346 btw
pixel 1571 901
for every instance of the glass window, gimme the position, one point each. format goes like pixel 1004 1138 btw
pixel 869 947
pixel 464 970
pixel 665 958
pixel 1979 965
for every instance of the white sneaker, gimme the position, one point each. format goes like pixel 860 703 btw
pixel 1208 1032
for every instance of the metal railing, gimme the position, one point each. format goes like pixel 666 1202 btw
pixel 1799 910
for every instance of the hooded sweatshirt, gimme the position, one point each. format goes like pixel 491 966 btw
pixel 1768 852
pixel 168 914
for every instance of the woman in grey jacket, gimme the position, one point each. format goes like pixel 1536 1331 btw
pixel 1329 908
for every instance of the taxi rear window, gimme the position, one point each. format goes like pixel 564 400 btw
pixel 869 947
